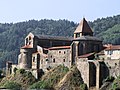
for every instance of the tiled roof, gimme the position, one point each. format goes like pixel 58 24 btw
pixel 54 37
pixel 113 47
pixel 27 46
pixel 59 47
pixel 83 27
pixel 44 55
pixel 90 38
pixel 85 55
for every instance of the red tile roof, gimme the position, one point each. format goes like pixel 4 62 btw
pixel 113 47
pixel 27 46
pixel 59 47
pixel 85 55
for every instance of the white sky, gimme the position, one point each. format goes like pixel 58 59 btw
pixel 73 10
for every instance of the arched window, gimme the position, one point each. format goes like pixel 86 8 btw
pixel 26 41
pixel 80 49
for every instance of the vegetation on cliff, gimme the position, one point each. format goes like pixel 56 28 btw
pixel 21 79
pixel 60 78
pixel 111 84
pixel 51 78
pixel 116 84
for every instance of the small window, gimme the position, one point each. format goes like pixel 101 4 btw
pixel 63 60
pixel 54 60
pixel 42 61
pixel 64 52
pixel 77 35
pixel 33 59
pixel 59 51
pixel 29 38
pixel 51 56
pixel 26 41
pixel 46 59
pixel 29 42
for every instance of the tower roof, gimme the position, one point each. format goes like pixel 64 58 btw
pixel 83 27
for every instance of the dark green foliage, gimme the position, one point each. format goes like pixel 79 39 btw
pixel 22 71
pixel 83 87
pixel 40 85
pixel 112 35
pixel 12 85
pixel 116 84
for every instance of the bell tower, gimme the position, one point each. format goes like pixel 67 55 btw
pixel 83 29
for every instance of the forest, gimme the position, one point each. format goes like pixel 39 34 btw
pixel 12 34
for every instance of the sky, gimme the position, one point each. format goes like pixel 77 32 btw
pixel 12 11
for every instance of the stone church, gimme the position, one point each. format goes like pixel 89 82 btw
pixel 41 53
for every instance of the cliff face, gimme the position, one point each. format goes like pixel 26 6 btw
pixel 61 78
pixel 71 80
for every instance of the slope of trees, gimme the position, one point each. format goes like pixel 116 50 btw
pixel 12 35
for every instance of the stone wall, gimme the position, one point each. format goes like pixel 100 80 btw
pixel 83 67
pixel 113 66
pixel 61 56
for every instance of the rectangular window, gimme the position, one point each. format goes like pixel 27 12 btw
pixel 33 59
pixel 54 60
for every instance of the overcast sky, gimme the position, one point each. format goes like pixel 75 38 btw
pixel 73 10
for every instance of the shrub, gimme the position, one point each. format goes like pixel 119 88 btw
pixel 109 79
pixel 12 85
pixel 40 85
pixel 83 87
pixel 22 71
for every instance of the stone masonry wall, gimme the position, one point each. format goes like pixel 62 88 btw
pixel 61 56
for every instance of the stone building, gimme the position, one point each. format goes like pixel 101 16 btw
pixel 41 53
pixel 112 52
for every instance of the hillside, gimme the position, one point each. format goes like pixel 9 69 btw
pixel 58 78
pixel 12 35
pixel 61 78
pixel 22 79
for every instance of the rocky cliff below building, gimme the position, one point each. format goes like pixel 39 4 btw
pixel 58 78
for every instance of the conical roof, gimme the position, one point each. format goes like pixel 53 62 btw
pixel 83 27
